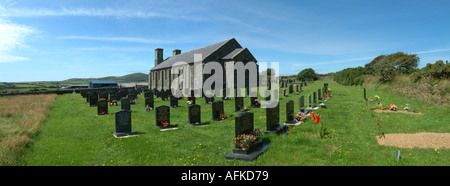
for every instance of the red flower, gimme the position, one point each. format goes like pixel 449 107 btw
pixel 317 118
pixel 312 115
pixel 103 112
pixel 165 123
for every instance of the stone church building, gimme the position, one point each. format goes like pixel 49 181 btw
pixel 160 77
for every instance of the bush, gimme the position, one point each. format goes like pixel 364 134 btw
pixel 350 76
pixel 307 74
pixel 389 66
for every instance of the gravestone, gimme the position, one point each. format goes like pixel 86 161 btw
pixel 365 98
pixel 319 95
pixel 195 115
pixel 149 102
pixel 284 93
pixel 238 103
pixel 254 102
pixel 209 100
pixel 125 104
pixel 324 93
pixel 244 125
pixel 173 101
pixel 163 118
pixel 132 98
pixel 123 124
pixel 273 121
pixel 93 98
pixel 191 99
pixel 308 102
pixel 291 89
pixel 102 107
pixel 290 112
pixel 165 95
pixel 314 98
pixel 103 96
pixel 148 94
pixel 217 111
pixel 301 104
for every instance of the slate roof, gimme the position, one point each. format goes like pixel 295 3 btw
pixel 188 57
pixel 234 53
pixel 103 82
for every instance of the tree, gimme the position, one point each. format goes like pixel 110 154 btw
pixel 307 74
pixel 389 66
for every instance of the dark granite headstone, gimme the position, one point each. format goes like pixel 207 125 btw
pixel 319 95
pixel 104 96
pixel 123 123
pixel 314 98
pixel 194 115
pixel 301 104
pixel 149 102
pixel 254 102
pixel 93 98
pixel 238 103
pixel 173 101
pixel 244 125
pixel 291 89
pixel 290 112
pixel 163 117
pixel 125 104
pixel 132 98
pixel 273 121
pixel 217 111
pixel 365 98
pixel 102 107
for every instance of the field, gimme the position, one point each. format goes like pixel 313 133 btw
pixel 20 119
pixel 72 134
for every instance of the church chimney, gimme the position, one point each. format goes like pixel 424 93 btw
pixel 176 52
pixel 158 56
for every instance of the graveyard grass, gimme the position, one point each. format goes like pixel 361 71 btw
pixel 72 134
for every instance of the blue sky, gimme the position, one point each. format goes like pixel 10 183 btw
pixel 48 40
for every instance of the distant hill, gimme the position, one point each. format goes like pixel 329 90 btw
pixel 135 77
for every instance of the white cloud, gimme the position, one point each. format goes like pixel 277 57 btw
pixel 4 58
pixel 12 36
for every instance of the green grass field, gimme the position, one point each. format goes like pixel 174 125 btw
pixel 73 134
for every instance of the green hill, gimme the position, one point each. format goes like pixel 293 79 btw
pixel 135 77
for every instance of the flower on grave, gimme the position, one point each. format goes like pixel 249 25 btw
pixel 393 107
pixel 165 123
pixel 312 115
pixel 256 101
pixel 103 112
pixel 244 141
pixel 190 102
pixel 317 120
pixel 300 117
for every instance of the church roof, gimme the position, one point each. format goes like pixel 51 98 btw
pixel 188 57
